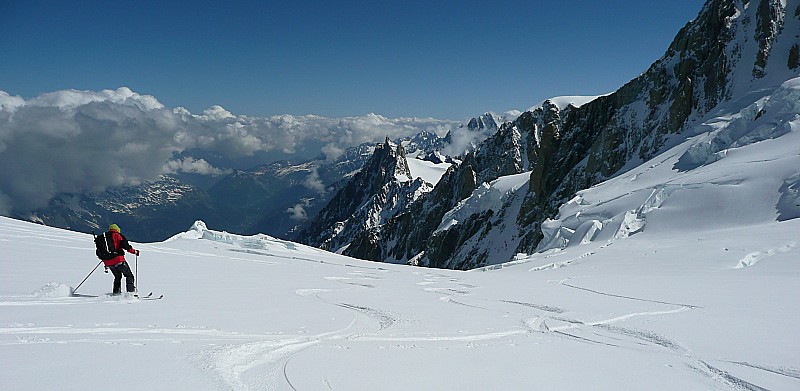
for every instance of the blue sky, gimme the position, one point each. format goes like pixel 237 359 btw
pixel 450 60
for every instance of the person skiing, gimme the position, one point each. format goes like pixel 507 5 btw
pixel 118 266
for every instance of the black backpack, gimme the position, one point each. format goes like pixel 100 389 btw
pixel 105 247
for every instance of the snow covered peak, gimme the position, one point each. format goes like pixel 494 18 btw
pixel 486 122
pixel 561 102
pixel 196 231
pixel 199 226
pixel 383 187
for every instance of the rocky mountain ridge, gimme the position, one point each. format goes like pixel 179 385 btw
pixel 735 51
pixel 382 189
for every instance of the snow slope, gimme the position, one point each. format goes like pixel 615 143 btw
pixel 429 172
pixel 669 311
pixel 486 196
pixel 563 101
pixel 741 168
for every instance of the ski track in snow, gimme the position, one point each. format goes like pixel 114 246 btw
pixel 725 377
pixel 206 334
pixel 602 332
pixel 603 325
pixel 564 283
pixel 649 338
pixel 788 372
pixel 261 360
pixel 537 306
pixel 232 363
pixel 77 299
pixel 602 328
pixel 255 361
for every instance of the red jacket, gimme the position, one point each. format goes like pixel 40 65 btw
pixel 119 243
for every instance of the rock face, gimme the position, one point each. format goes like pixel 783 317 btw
pixel 723 55
pixel 730 52
pixel 382 189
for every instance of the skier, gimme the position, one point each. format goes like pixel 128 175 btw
pixel 118 265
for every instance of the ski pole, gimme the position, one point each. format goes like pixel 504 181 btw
pixel 136 278
pixel 87 277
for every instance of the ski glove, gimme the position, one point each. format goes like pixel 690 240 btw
pixel 137 253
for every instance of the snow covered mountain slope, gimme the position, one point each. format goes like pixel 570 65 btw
pixel 742 170
pixel 735 55
pixel 690 307
pixel 740 166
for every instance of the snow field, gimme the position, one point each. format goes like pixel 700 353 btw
pixel 257 313
pixel 428 171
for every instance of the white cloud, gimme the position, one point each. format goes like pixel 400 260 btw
pixel 10 103
pixel 332 151
pixel 193 166
pixel 463 141
pixel 216 113
pixel 78 141
pixel 298 211
pixel 67 99
pixel 314 182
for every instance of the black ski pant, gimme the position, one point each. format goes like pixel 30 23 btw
pixel 119 270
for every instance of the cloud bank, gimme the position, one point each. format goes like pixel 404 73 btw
pixel 77 141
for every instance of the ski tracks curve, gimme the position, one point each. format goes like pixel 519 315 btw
pixel 652 339
pixel 234 365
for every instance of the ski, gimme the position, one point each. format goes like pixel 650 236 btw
pixel 148 296
pixel 82 295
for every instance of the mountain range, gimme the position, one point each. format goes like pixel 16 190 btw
pixel 725 63
pixel 508 176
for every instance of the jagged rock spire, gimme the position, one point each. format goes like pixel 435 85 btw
pixel 373 195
